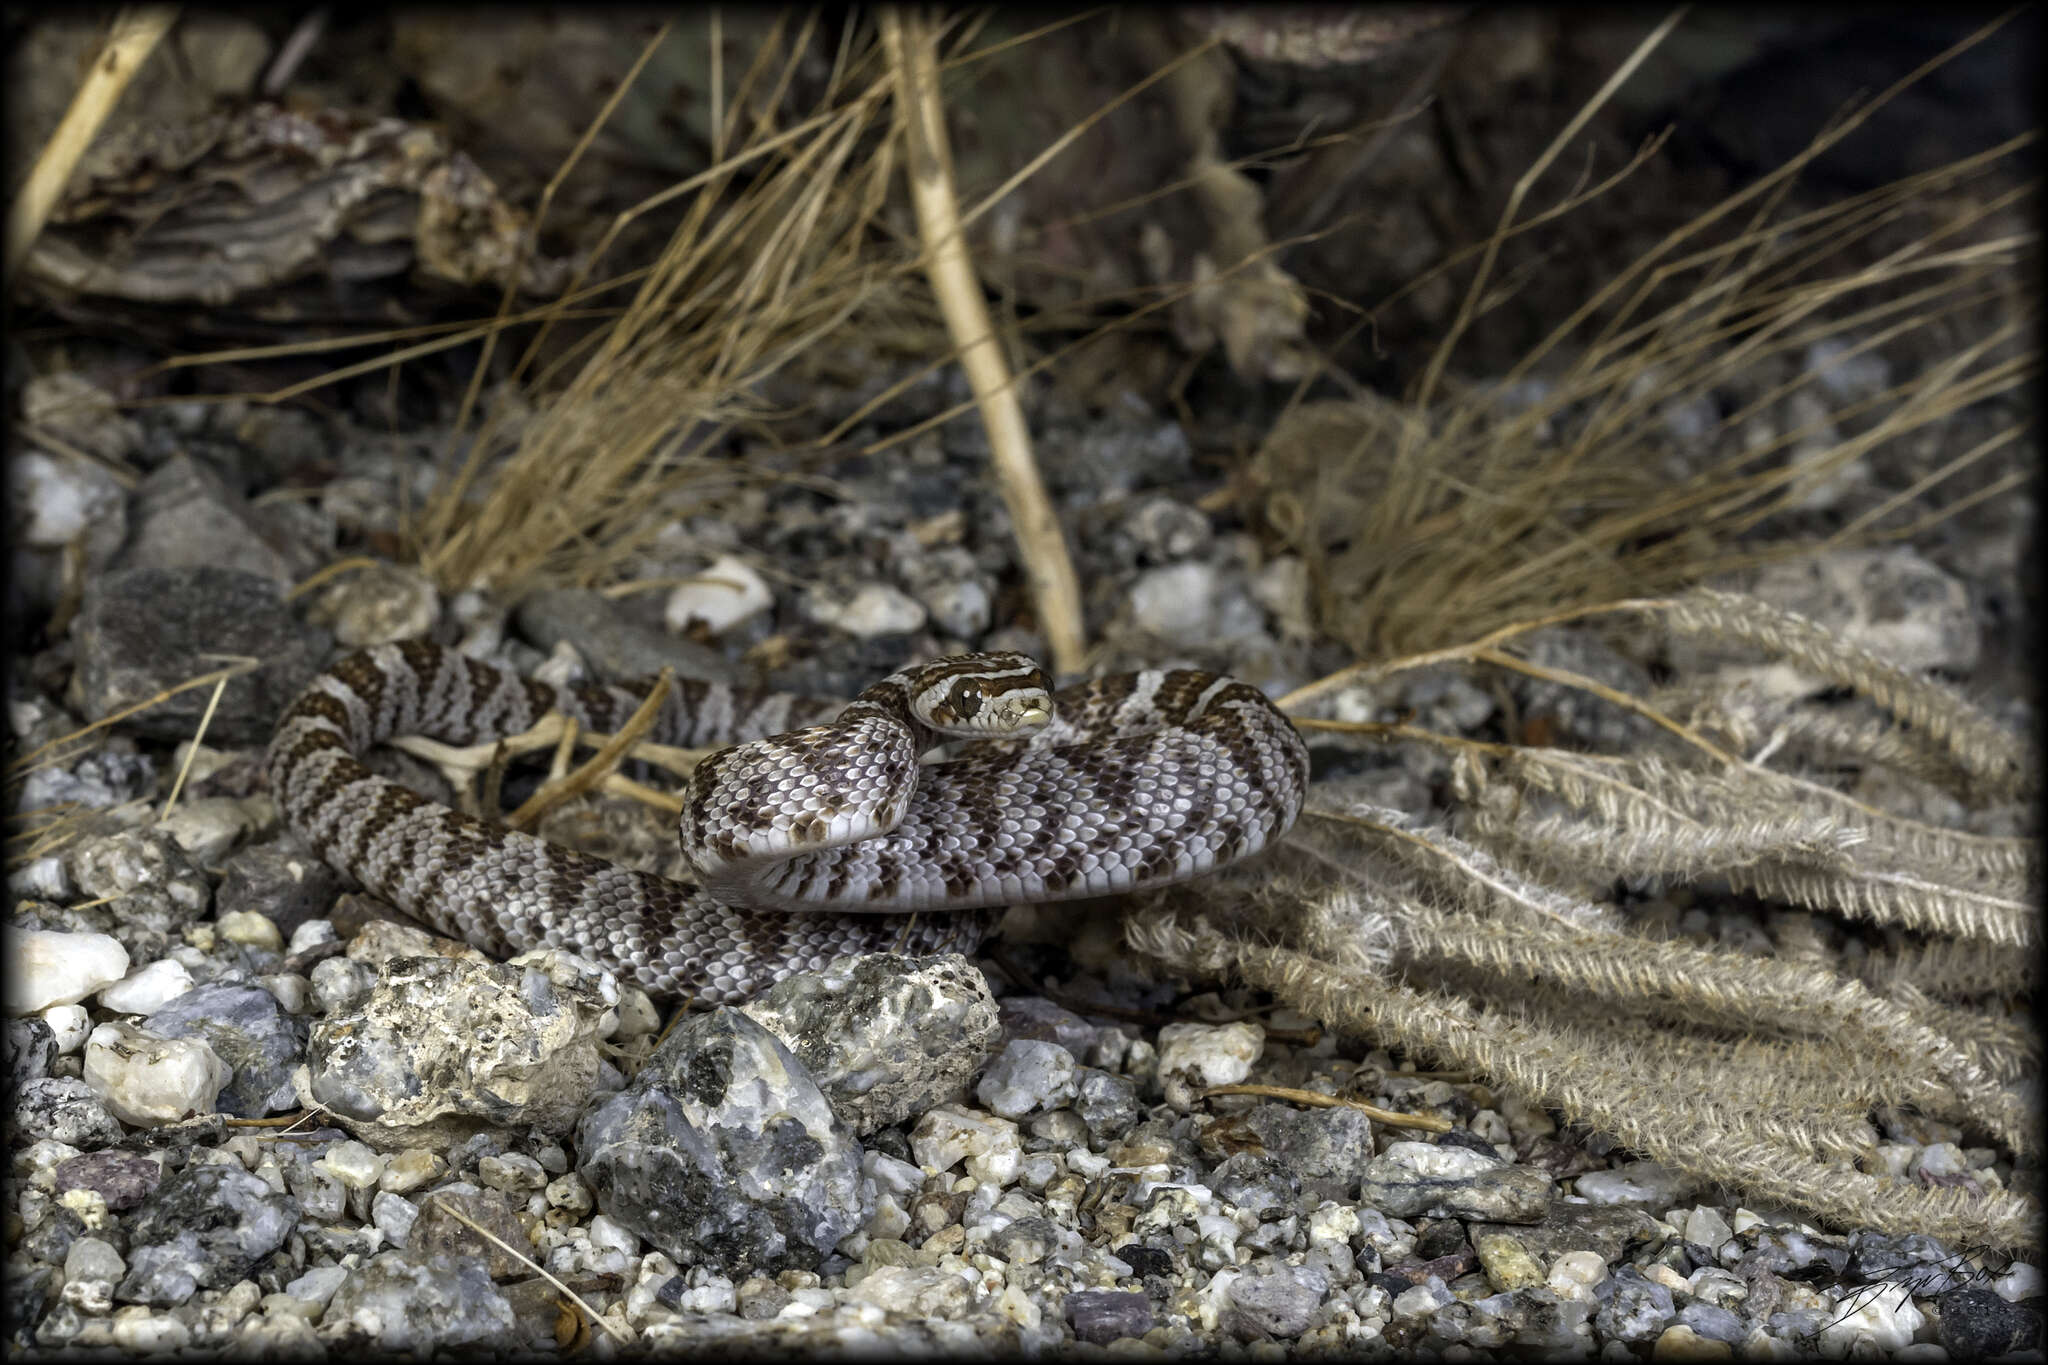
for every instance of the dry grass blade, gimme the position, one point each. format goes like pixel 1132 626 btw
pixel 43 755
pixel 599 767
pixel 1971 740
pixel 617 1334
pixel 1572 1069
pixel 134 35
pixel 1422 519
pixel 1041 544
pixel 774 251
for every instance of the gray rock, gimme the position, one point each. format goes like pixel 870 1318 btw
pixel 80 413
pixel 281 880
pixel 143 631
pixel 1633 1308
pixel 1031 1016
pixel 64 1109
pixel 57 499
pixel 1890 600
pixel 1194 605
pixel 27 1291
pixel 1607 1231
pixel 871 611
pixel 1416 1179
pixel 884 1036
pixel 186 517
pixel 1538 1320
pixel 961 607
pixel 1976 1324
pixel 1314 1143
pixel 30 1048
pixel 1100 1316
pixel 1715 1324
pixel 1107 1103
pixel 1274 1299
pixel 1256 1183
pixel 394 1216
pixel 1915 1259
pixel 1166 530
pixel 445 1047
pixel 377 605
pixel 1026 1077
pixel 340 984
pixel 322 1198
pixel 616 645
pixel 123 1179
pixel 420 1303
pixel 246 1028
pixel 106 777
pixel 723 1150
pixel 204 1228
pixel 150 891
pixel 1028 1241
pixel 1646 1184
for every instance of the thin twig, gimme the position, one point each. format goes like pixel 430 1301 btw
pixel 20 767
pixel 1056 590
pixel 1393 1118
pixel 594 771
pixel 459 1216
pixel 192 749
pixel 1373 670
pixel 1502 659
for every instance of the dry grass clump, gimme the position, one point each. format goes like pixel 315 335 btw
pixel 775 250
pixel 1457 509
pixel 1493 947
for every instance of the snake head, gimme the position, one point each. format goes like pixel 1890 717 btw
pixel 981 696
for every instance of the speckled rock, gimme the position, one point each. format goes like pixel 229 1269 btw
pixel 419 1302
pixel 203 1228
pixel 724 1150
pixel 1412 1179
pixel 1977 1324
pixel 122 1179
pixel 144 631
pixel 62 1109
pixel 150 891
pixel 249 1030
pixel 444 1047
pixel 1100 1316
pixel 884 1036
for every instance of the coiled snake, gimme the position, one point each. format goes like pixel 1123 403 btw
pixel 800 837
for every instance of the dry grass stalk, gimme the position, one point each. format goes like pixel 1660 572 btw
pixel 608 756
pixel 774 252
pixel 1571 1069
pixel 1761 1072
pixel 1315 1099
pixel 1451 512
pixel 1943 722
pixel 1041 544
pixel 132 38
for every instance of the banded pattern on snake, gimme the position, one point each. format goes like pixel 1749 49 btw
pixel 815 824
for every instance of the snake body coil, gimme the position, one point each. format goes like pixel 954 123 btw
pixel 815 824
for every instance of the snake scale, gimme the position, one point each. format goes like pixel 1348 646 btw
pixel 818 818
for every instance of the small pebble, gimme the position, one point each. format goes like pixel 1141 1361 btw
pixel 148 990
pixel 146 1080
pixel 45 968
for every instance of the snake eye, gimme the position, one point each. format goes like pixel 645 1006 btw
pixel 967 699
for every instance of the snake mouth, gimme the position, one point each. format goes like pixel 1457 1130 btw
pixel 1026 715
